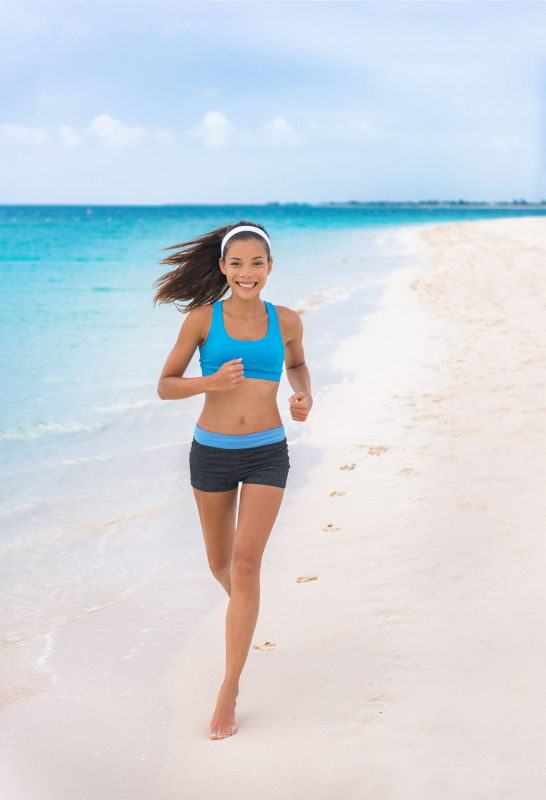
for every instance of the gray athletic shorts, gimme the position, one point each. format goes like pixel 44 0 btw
pixel 219 469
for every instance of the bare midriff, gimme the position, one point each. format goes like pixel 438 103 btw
pixel 248 408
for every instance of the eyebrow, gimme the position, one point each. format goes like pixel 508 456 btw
pixel 236 258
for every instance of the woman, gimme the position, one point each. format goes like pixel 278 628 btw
pixel 239 436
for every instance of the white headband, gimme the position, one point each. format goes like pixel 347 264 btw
pixel 244 228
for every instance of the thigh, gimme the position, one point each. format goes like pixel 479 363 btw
pixel 217 514
pixel 258 509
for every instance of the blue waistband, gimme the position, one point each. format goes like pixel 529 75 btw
pixel 231 440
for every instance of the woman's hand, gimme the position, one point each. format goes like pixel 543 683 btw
pixel 230 375
pixel 300 406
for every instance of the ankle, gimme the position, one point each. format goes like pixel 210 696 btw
pixel 230 688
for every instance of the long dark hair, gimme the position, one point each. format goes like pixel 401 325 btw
pixel 197 276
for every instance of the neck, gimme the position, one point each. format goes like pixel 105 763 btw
pixel 252 307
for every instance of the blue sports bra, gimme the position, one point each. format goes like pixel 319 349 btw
pixel 262 358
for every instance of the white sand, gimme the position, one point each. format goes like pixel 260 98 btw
pixel 413 666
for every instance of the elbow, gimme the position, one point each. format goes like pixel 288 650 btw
pixel 160 390
pixel 295 366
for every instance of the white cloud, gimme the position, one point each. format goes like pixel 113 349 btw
pixel 112 133
pixel 357 130
pixel 69 137
pixel 216 132
pixel 21 135
pixel 109 132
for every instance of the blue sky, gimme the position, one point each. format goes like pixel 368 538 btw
pixel 231 102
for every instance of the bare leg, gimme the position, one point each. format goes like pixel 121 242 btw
pixel 217 513
pixel 258 509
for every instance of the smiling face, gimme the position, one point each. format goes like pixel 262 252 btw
pixel 246 266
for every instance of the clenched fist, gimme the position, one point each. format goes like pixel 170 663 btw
pixel 300 406
pixel 230 375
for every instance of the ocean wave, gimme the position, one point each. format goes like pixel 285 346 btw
pixel 118 407
pixel 37 430
pixel 27 671
pixel 333 294
pixel 133 384
pixel 65 378
pixel 109 288
pixel 20 509
pixel 168 413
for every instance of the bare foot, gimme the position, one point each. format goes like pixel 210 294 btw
pixel 222 723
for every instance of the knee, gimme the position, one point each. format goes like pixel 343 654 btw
pixel 245 572
pixel 219 567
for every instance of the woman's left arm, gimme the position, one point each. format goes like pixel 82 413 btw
pixel 297 372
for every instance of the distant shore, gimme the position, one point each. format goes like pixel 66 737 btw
pixel 523 205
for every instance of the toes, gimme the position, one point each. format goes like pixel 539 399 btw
pixel 222 733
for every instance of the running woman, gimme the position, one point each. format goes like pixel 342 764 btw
pixel 239 436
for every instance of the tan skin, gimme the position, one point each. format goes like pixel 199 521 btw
pixel 237 405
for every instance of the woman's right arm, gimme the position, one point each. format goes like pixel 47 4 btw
pixel 172 385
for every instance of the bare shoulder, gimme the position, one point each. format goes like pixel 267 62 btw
pixel 195 326
pixel 290 323
pixel 198 322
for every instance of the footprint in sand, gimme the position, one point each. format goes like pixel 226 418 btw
pixel 348 466
pixel 265 646
pixel 471 505
pixel 305 578
pixel 337 494
pixel 374 450
pixel 331 527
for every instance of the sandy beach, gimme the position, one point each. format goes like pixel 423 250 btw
pixel 409 665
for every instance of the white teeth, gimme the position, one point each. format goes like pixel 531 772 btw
pixel 247 285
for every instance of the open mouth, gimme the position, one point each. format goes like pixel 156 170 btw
pixel 247 285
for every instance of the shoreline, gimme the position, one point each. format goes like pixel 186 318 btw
pixel 119 536
pixel 383 679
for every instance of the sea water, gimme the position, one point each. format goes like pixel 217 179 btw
pixel 94 479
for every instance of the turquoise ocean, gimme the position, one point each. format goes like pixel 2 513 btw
pixel 96 509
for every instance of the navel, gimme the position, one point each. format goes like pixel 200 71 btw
pixel 242 420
